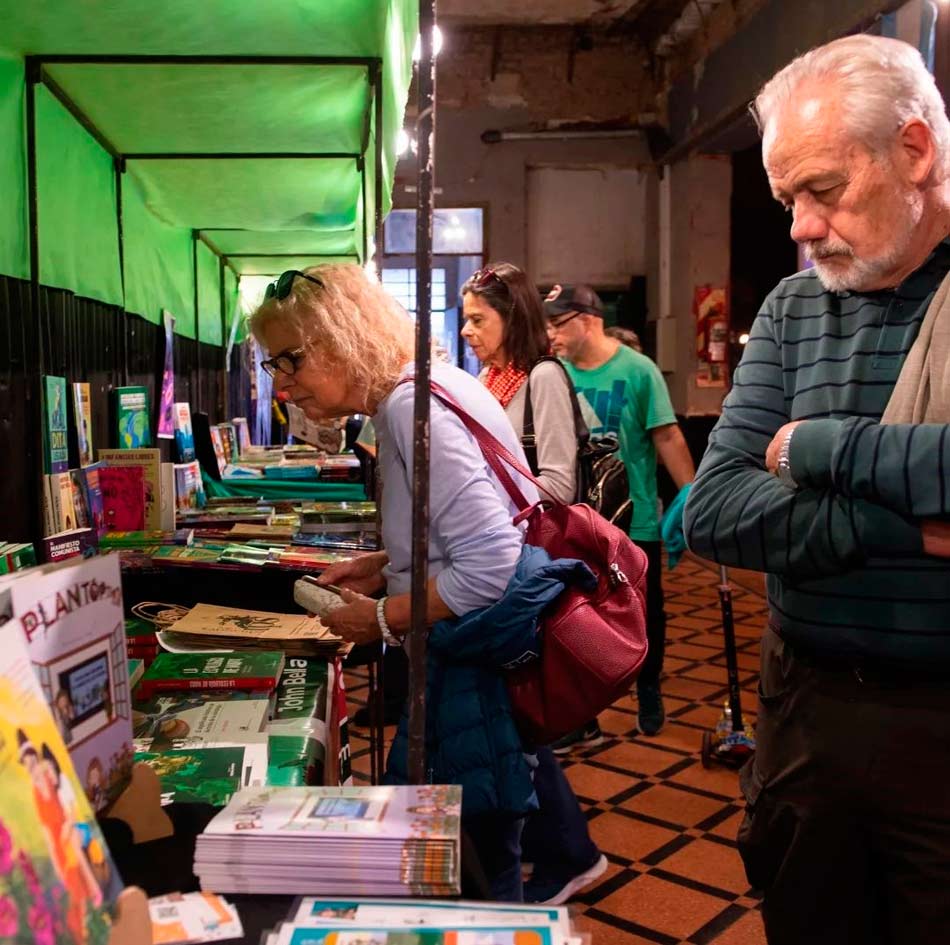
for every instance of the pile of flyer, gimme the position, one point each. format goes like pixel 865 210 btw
pixel 426 922
pixel 352 841
pixel 191 918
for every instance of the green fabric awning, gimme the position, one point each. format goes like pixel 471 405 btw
pixel 252 125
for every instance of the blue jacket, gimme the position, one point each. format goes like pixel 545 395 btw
pixel 470 733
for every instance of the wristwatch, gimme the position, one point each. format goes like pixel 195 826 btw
pixel 784 470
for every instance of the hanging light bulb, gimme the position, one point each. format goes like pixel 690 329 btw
pixel 436 45
pixel 744 338
pixel 402 142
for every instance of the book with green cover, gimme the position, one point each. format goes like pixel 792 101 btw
pixel 197 775
pixel 55 443
pixel 132 418
pixel 297 732
pixel 257 670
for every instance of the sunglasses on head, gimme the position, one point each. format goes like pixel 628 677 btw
pixel 482 277
pixel 280 288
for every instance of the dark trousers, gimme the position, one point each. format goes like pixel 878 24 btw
pixel 656 617
pixel 497 842
pixel 556 838
pixel 847 829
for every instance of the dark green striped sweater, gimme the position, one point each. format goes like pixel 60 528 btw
pixel 847 574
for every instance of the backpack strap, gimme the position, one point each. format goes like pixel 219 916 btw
pixel 529 441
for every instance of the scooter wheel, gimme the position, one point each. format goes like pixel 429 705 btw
pixel 707 751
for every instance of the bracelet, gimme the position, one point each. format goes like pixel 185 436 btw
pixel 383 626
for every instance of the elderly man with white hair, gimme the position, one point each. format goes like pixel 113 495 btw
pixel 847 828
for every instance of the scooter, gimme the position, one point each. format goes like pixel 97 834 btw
pixel 732 742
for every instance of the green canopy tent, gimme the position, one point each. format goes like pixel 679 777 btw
pixel 264 132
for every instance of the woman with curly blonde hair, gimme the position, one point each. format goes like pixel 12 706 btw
pixel 339 345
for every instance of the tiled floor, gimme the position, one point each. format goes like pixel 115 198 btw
pixel 666 824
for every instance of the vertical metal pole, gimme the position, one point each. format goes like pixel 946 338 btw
pixel 425 132
pixel 378 164
pixel 221 405
pixel 361 165
pixel 123 352
pixel 196 370
pixel 729 644
pixel 34 343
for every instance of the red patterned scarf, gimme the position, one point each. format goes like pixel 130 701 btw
pixel 504 383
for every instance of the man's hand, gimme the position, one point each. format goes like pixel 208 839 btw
pixel 356 620
pixel 771 454
pixel 936 537
pixel 363 575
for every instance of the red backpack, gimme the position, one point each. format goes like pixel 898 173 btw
pixel 593 643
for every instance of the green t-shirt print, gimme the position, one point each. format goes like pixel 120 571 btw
pixel 629 398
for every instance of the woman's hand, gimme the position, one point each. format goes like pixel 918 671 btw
pixel 356 620
pixel 363 574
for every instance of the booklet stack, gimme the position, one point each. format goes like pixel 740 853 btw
pixel 207 626
pixel 395 840
pixel 422 922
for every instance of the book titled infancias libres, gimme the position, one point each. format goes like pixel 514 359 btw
pixel 258 670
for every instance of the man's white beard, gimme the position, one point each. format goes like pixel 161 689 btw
pixel 863 274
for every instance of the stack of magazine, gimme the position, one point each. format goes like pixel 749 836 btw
pixel 422 922
pixel 345 841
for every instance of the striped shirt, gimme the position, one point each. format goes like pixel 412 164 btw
pixel 847 574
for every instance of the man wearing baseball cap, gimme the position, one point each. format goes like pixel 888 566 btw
pixel 630 399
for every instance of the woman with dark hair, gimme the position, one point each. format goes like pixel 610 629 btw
pixel 506 328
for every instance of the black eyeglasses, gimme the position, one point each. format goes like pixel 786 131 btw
pixel 286 363
pixel 554 326
pixel 280 288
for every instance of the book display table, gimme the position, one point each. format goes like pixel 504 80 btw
pixel 285 490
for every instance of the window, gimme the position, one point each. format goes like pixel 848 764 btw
pixel 455 231
pixel 401 285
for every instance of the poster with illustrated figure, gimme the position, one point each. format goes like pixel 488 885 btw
pixel 72 620
pixel 166 406
pixel 58 884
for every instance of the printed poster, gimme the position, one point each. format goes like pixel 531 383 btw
pixel 166 405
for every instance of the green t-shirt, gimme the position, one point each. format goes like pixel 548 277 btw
pixel 629 397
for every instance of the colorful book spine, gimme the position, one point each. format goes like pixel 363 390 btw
pixel 93 493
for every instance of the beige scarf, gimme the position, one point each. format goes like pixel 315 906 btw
pixel 922 391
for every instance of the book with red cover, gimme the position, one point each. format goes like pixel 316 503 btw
pixel 123 497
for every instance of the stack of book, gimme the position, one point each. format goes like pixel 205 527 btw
pixel 207 626
pixel 15 556
pixel 315 921
pixel 140 640
pixel 338 525
pixel 396 840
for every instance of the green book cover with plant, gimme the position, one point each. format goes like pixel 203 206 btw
pixel 197 775
pixel 132 420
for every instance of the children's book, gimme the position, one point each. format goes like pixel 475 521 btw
pixel 80 506
pixel 174 672
pixel 133 427
pixel 229 440
pixel 55 443
pixel 123 497
pixel 184 437
pixel 72 618
pixel 58 883
pixel 151 462
pixel 82 416
pixel 192 919
pixel 60 513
